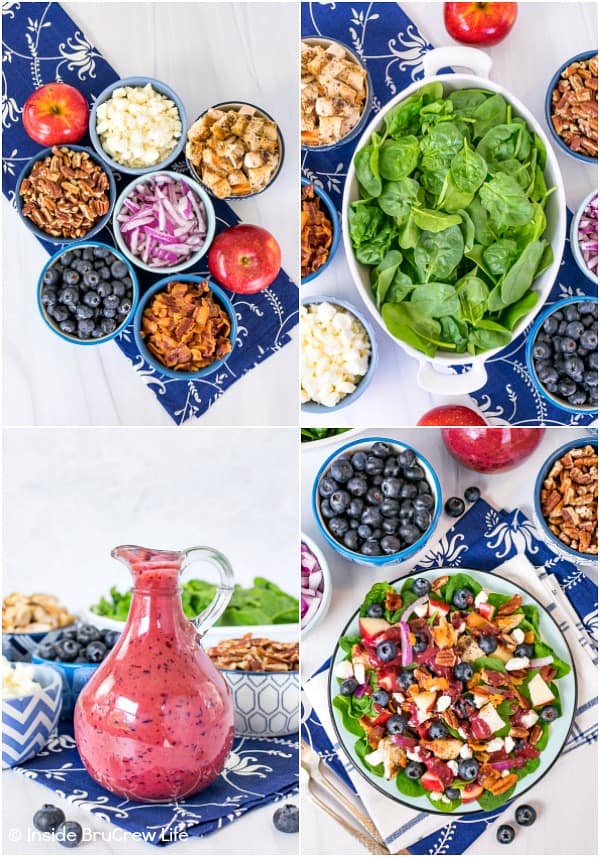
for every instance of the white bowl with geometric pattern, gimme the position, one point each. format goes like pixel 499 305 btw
pixel 266 704
pixel 29 721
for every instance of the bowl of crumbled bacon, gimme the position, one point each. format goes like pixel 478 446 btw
pixel 263 677
pixel 319 230
pixel 185 326
pixel 572 107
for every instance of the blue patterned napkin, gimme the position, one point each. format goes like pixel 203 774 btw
pixel 41 43
pixel 485 539
pixel 392 48
pixel 257 772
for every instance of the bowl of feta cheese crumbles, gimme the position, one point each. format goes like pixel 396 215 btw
pixel 452 692
pixel 338 354
pixel 137 125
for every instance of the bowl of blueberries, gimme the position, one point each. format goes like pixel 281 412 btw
pixel 376 501
pixel 562 354
pixel 75 655
pixel 87 293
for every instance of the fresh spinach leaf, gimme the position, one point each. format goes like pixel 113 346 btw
pixel 468 169
pixel 438 255
pixel 398 158
pixel 398 198
pixel 505 201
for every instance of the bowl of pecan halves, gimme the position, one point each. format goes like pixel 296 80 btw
pixel 262 675
pixel 185 326
pixel 29 620
pixel 65 194
pixel 566 499
pixel 572 107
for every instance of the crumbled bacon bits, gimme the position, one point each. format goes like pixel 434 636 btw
pixel 575 107
pixel 185 328
pixel 65 194
pixel 316 232
pixel 569 499
pixel 255 654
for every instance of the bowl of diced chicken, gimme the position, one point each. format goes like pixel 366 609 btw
pixel 235 150
pixel 335 94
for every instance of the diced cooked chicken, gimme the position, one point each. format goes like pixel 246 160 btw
pixel 394 757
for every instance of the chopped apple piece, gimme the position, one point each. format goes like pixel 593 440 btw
pixel 425 700
pixel 539 691
pixel 371 628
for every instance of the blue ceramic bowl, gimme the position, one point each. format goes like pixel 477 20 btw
pixel 392 559
pixel 209 208
pixel 335 222
pixel 551 397
pixel 265 703
pixel 112 195
pixel 360 125
pixel 586 55
pixel 50 322
pixel 161 286
pixel 553 540
pixel 158 86
pixel 313 407
pixel 235 105
pixel 28 721
pixel 20 647
pixel 73 678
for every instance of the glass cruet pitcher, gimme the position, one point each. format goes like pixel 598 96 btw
pixel 155 721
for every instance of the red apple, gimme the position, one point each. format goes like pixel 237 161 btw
pixel 245 259
pixel 56 113
pixel 471 792
pixel 432 782
pixel 451 415
pixel 490 450
pixel 479 23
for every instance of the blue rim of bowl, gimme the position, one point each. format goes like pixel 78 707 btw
pixel 360 125
pixel 585 55
pixel 574 237
pixel 86 242
pixel 550 310
pixel 335 222
pixel 158 86
pixel 69 665
pixel 543 472
pixel 233 105
pixel 386 559
pixel 210 216
pixel 112 195
pixel 161 286
pixel 314 407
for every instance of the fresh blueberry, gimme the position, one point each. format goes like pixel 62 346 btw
pixel 68 296
pixel 422 520
pixel 327 486
pixel 409 534
pixel 405 679
pixel 342 471
pixel 110 638
pixel 414 473
pixel 488 644
pixel 505 834
pixel 525 815
pixel 46 651
pixel 356 507
pixel 472 494
pixel 387 651
pixel 91 279
pixel 92 299
pixel 589 340
pixel 371 516
pixel 389 508
pixel 67 650
pixel 421 586
pixel 377 533
pixel 87 634
pixel 104 289
pixel 454 507
pixel 49 297
pixel 424 502
pixel 359 460
pixel 48 818
pixel 414 770
pixel 69 834
pixel 375 611
pixel 69 634
pixel 95 652
pixel 68 326
pixel 118 288
pixel 392 468
pixel 463 671
pixel 438 730
pixel 380 450
pixel 396 724
pixel 348 687
pixel 578 398
pixel 371 548
pixel 550 325
pixel 462 598
pixel 390 526
pixel 524 650
pixel 82 311
pixel 381 697
pixel 350 539
pixel 326 510
pixel 452 793
pixel 420 643
pixel 339 501
pixel 50 277
pixel 365 531
pixel 566 387
pixel 85 327
pixel 118 269
pixel 390 544
pixel 391 487
pixel 548 713
pixel 542 350
pixel 468 769
pixel 406 458
pixel 374 496
pixel 374 466
pixel 357 486
pixel 71 278
pixel 338 526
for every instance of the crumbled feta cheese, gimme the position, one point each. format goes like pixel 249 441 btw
pixel 529 719
pixel 436 795
pixel 335 353
pixel 445 799
pixel 138 126
pixel 505 773
pixel 462 733
pixel 480 598
pixel 421 610
pixel 359 672
pixel 443 703
pixel 517 664
pixel 375 758
pixel 465 752
pixel 398 697
pixel 18 679
pixel 494 745
pixel 453 765
pixel 518 636
pixel 344 670
pixel 509 744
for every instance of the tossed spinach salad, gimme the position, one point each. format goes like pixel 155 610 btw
pixel 451 219
pixel 450 689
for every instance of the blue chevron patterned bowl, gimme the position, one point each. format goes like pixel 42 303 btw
pixel 265 704
pixel 28 721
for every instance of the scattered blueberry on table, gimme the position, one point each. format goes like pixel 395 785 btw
pixel 376 501
pixel 287 818
pixel 472 494
pixel 525 815
pixel 69 834
pixel 454 507
pixel 505 834
pixel 48 818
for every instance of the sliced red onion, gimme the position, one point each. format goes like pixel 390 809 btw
pixel 361 689
pixel 541 662
pixel 311 585
pixel 587 234
pixel 405 644
pixel 503 765
pixel 410 609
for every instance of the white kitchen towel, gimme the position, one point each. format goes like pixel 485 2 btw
pixel 399 826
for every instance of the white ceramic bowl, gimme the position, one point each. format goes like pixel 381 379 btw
pixel 435 374
pixel 327 585
pixel 575 248
pixel 28 721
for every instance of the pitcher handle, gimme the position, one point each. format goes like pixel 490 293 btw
pixel 205 620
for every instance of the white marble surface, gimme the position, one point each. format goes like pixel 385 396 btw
pixel 208 52
pixel 351 581
pixel 70 495
pixel 544 36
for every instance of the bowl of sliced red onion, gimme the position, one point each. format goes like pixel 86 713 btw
pixel 315 584
pixel 584 236
pixel 164 222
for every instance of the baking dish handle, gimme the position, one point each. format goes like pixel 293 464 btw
pixel 475 60
pixel 444 384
